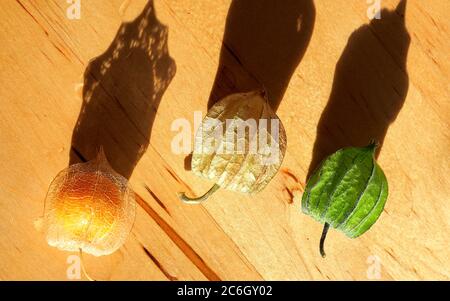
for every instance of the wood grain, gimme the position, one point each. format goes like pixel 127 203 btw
pixel 336 77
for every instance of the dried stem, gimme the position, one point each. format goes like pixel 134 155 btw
pixel 200 199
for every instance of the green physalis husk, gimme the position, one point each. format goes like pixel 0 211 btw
pixel 347 192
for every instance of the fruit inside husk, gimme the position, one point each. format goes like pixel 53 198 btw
pixel 90 208
pixel 347 192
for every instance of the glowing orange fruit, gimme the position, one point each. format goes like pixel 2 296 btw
pixel 89 207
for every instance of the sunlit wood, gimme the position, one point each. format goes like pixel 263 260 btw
pixel 334 77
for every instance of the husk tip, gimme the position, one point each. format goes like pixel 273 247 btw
pixel 373 145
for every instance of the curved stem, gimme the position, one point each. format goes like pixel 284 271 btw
pixel 200 199
pixel 83 268
pixel 322 239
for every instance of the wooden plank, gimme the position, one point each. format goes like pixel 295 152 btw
pixel 336 77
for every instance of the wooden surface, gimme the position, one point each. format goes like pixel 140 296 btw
pixel 121 74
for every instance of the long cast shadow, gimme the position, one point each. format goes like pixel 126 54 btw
pixel 263 43
pixel 122 91
pixel 370 86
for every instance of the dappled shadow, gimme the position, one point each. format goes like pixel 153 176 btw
pixel 122 91
pixel 263 44
pixel 370 86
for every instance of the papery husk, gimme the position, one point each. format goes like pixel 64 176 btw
pixel 347 192
pixel 89 207
pixel 242 171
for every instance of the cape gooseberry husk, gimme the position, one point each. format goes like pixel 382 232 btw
pixel 240 145
pixel 90 208
pixel 347 192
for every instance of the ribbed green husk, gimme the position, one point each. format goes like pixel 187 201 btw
pixel 348 191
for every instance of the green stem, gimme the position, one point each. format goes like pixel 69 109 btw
pixel 322 239
pixel 200 199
